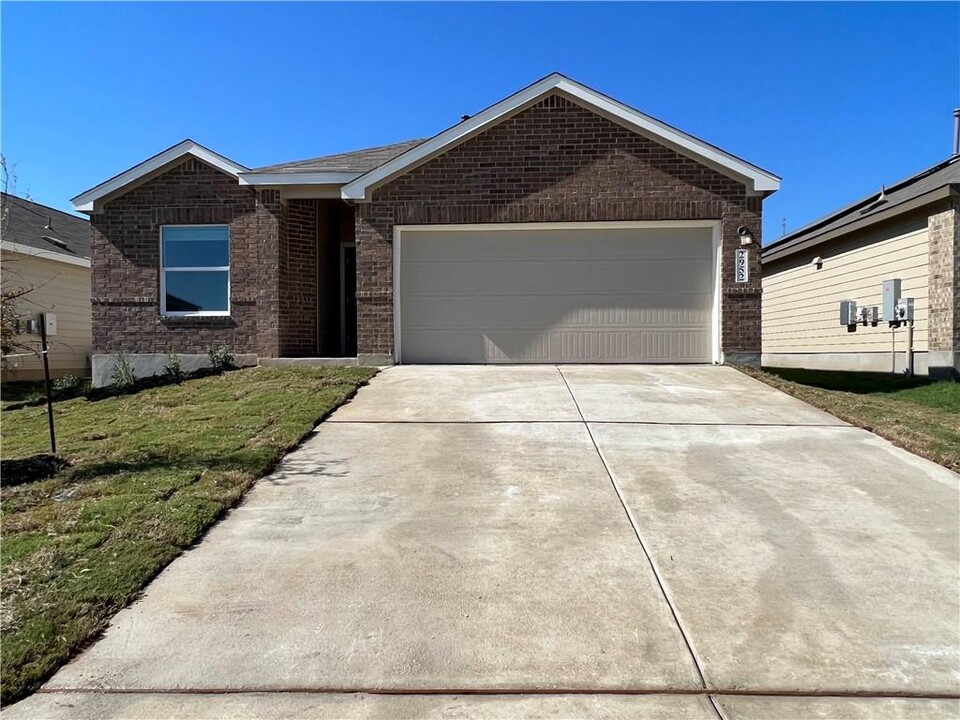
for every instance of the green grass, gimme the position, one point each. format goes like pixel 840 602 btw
pixel 918 414
pixel 154 470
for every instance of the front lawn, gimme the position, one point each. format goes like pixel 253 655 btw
pixel 150 473
pixel 918 414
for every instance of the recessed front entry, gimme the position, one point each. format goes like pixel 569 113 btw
pixel 564 293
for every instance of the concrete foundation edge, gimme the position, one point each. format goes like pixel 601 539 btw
pixel 880 362
pixel 751 359
pixel 374 359
pixel 147 364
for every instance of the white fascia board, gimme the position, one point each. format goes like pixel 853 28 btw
pixel 86 201
pixel 43 254
pixel 758 180
pixel 297 178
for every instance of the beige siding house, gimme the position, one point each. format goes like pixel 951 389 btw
pixel 48 251
pixel 908 231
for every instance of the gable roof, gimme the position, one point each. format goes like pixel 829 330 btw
pixel 757 179
pixel 87 201
pixel 915 191
pixel 34 229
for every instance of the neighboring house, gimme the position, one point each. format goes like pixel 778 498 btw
pixel 557 225
pixel 911 231
pixel 48 251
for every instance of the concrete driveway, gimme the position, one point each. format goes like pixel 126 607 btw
pixel 623 542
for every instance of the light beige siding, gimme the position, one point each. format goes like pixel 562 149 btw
pixel 59 288
pixel 801 304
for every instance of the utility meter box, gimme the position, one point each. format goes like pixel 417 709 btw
pixel 904 310
pixel 50 322
pixel 848 312
pixel 891 296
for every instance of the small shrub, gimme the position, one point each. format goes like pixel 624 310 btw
pixel 122 373
pixel 221 358
pixel 172 368
pixel 65 384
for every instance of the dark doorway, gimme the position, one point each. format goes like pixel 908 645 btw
pixel 348 301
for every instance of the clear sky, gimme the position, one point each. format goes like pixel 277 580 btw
pixel 835 98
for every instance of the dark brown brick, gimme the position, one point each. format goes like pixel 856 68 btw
pixel 556 162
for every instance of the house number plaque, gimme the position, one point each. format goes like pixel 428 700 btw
pixel 742 262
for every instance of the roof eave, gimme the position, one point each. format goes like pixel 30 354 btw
pixel 91 200
pixel 799 244
pixel 297 178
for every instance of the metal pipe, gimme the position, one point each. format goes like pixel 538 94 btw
pixel 909 369
pixel 956 131
pixel 893 349
pixel 46 381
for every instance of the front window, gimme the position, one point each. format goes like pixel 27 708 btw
pixel 194 270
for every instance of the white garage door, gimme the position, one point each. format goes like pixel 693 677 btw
pixel 573 294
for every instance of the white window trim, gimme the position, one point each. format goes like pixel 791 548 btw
pixel 209 268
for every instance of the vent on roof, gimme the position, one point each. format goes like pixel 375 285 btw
pixel 55 241
pixel 881 199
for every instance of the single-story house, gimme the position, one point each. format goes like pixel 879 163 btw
pixel 47 252
pixel 909 230
pixel 557 225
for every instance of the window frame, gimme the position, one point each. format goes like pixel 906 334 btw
pixel 203 268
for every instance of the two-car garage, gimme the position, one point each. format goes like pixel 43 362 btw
pixel 557 293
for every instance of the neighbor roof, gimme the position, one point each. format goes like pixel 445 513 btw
pixel 929 185
pixel 35 229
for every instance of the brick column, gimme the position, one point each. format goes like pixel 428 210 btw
pixel 944 291
pixel 374 230
pixel 269 229
pixel 740 316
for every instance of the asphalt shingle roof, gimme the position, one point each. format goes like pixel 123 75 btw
pixel 923 182
pixel 44 228
pixel 359 161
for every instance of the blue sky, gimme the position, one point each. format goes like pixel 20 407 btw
pixel 835 98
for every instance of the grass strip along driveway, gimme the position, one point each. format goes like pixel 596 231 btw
pixel 917 414
pixel 150 473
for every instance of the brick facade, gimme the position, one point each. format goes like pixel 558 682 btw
pixel 553 162
pixel 125 275
pixel 299 280
pixel 557 162
pixel 944 289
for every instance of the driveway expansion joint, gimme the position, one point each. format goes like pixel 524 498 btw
pixel 507 692
pixel 636 530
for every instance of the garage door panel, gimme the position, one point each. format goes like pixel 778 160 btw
pixel 553 277
pixel 583 295
pixel 420 313
pixel 521 245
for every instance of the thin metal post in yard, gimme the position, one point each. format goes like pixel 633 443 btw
pixel 46 380
pixel 909 369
